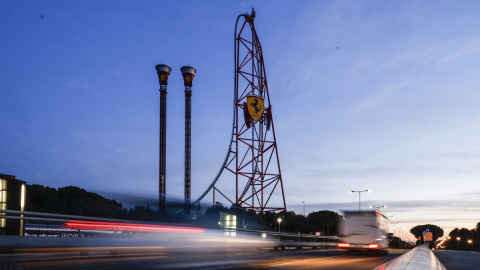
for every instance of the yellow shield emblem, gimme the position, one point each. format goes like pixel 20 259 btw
pixel 255 106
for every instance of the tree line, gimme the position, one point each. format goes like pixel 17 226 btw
pixel 464 239
pixel 320 222
pixel 73 200
pixel 457 239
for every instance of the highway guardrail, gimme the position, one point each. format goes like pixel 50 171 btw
pixel 421 258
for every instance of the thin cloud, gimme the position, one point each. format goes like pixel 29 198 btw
pixel 376 99
pixel 461 48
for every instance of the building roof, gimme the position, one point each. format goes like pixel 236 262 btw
pixel 11 178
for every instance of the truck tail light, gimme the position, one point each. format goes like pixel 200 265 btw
pixel 343 245
pixel 373 246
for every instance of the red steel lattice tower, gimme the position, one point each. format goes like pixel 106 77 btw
pixel 255 160
pixel 252 155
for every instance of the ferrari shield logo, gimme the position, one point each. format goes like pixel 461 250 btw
pixel 255 107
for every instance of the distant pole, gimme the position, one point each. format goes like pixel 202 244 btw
pixel 163 71
pixel 359 191
pixel 188 73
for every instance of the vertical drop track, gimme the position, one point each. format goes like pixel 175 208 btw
pixel 252 156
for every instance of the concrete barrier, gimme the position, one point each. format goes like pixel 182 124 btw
pixel 420 257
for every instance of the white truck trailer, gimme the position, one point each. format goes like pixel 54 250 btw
pixel 364 231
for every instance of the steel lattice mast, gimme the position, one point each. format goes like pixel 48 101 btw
pixel 252 155
pixel 188 73
pixel 257 165
pixel 163 71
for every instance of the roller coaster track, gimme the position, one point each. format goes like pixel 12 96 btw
pixel 254 157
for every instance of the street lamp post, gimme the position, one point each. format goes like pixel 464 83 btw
pixel 279 220
pixel 359 191
pixel 303 209
pixel 378 207
pixel 469 243
pixel 458 243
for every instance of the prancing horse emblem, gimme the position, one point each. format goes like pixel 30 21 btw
pixel 255 106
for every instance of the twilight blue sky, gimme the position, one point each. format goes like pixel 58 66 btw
pixel 366 94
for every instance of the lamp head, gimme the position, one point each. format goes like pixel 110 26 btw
pixel 188 73
pixel 163 72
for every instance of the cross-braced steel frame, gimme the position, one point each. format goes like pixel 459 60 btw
pixel 252 155
pixel 256 161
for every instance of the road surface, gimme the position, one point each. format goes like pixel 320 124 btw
pixel 464 260
pixel 159 258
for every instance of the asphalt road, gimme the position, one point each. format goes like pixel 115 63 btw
pixel 158 258
pixel 464 260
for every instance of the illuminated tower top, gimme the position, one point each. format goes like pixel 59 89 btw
pixel 163 72
pixel 188 73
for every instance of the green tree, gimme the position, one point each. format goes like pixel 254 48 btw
pixel 43 199
pixel 71 201
pixel 397 243
pixel 437 232
pixel 212 215
pixel 289 221
pixel 78 201
pixel 141 213
pixel 464 234
pixel 476 234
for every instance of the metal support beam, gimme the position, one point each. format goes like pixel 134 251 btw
pixel 188 73
pixel 163 71
pixel 188 147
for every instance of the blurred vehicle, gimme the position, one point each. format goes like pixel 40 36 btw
pixel 364 231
